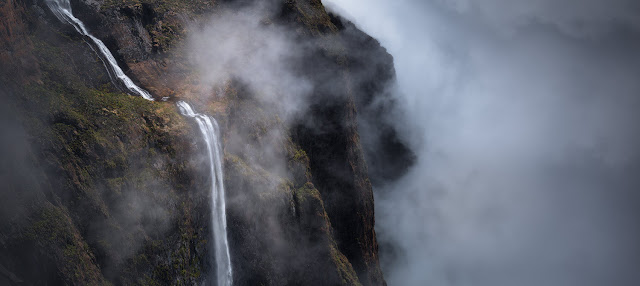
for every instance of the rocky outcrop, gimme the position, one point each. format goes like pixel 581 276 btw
pixel 117 192
pixel 15 51
pixel 109 187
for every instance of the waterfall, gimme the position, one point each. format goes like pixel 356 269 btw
pixel 210 131
pixel 208 127
pixel 62 10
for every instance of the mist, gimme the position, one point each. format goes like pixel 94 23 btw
pixel 243 45
pixel 523 118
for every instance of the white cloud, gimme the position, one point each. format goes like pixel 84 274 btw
pixel 526 170
pixel 575 17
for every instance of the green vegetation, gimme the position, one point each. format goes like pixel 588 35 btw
pixel 343 266
pixel 123 200
pixel 115 162
pixel 308 191
pixel 53 231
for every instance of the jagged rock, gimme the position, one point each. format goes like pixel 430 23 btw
pixel 119 194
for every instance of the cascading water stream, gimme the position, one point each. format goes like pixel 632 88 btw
pixel 62 10
pixel 210 131
pixel 208 127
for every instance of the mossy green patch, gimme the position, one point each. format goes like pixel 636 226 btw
pixel 119 164
pixel 53 231
pixel 343 266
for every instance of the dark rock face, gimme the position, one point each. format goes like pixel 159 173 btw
pixel 110 188
pixel 106 185
pixel 387 156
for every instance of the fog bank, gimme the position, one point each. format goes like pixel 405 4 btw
pixel 524 121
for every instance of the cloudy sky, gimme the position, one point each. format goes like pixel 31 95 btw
pixel 524 115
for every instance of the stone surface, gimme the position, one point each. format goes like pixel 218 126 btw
pixel 116 192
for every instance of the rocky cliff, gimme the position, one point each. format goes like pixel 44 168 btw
pixel 101 187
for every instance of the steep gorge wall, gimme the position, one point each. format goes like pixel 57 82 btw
pixel 109 187
pixel 121 196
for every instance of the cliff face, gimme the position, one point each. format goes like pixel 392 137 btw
pixel 103 187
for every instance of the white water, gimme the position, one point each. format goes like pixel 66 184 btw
pixel 62 10
pixel 208 127
pixel 210 131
